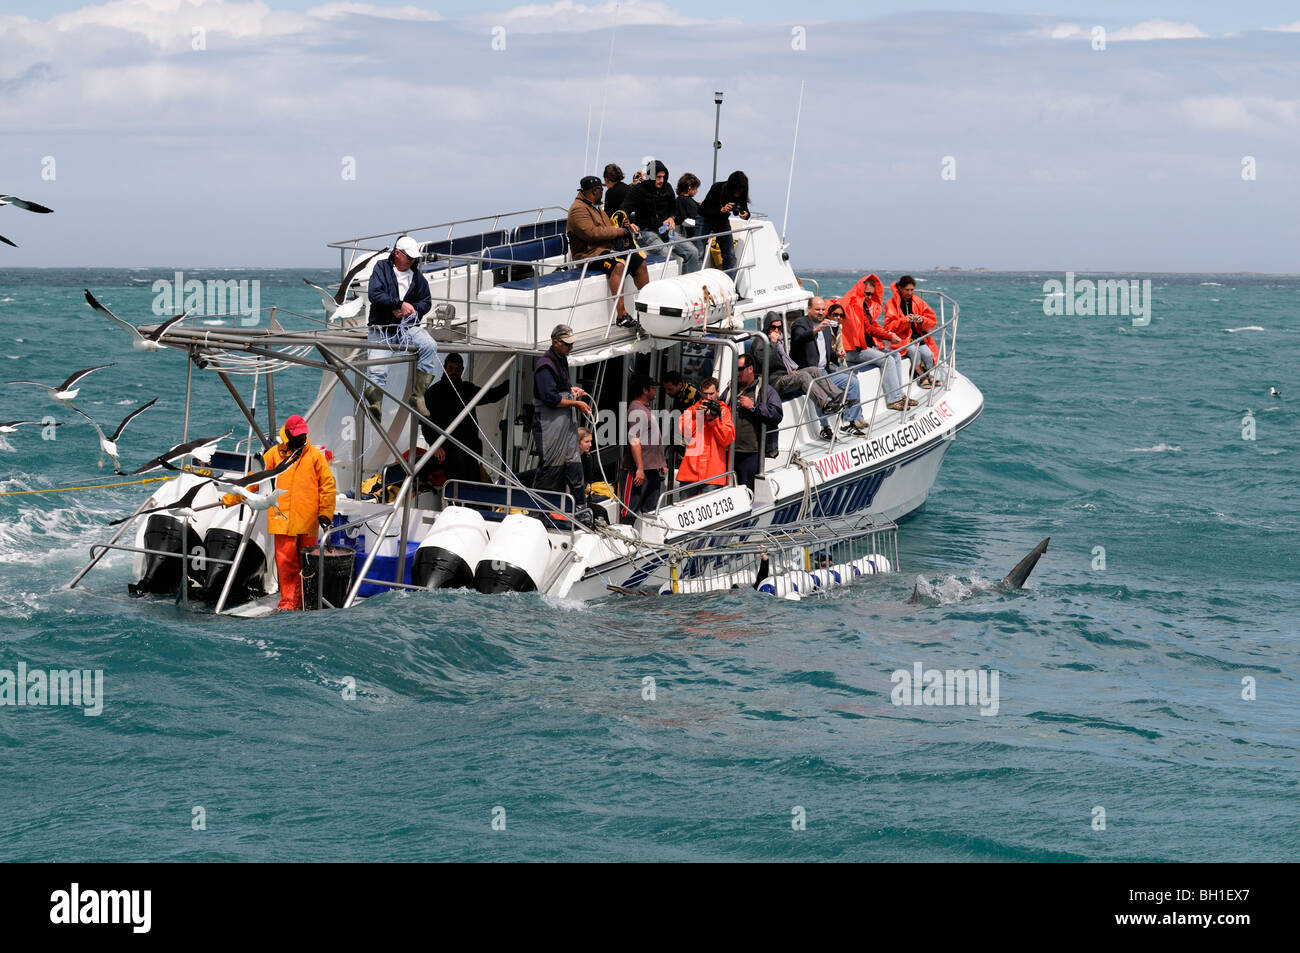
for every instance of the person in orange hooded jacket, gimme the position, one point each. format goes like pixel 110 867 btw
pixel 868 341
pixel 707 438
pixel 306 504
pixel 907 316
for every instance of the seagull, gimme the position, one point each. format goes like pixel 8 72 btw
pixel 9 426
pixel 108 445
pixel 140 341
pixel 242 486
pixel 334 306
pixel 16 202
pixel 201 449
pixel 183 507
pixel 23 204
pixel 1274 392
pixel 68 389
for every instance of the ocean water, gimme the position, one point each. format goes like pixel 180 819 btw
pixel 1149 671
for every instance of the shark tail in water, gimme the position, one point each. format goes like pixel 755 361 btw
pixel 1014 579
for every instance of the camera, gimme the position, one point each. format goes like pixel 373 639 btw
pixel 712 410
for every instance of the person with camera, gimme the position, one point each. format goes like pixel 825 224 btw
pixel 592 233
pixel 708 431
pixel 813 347
pixel 724 201
pixel 757 406
pixel 912 320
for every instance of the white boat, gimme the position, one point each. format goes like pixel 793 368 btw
pixel 499 284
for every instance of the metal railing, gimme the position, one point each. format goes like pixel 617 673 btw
pixel 873 406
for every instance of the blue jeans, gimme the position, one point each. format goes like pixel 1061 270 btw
pixel 686 252
pixel 404 336
pixel 849 384
pixel 921 356
pixel 726 243
pixel 890 364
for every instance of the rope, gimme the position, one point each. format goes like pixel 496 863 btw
pixel 98 486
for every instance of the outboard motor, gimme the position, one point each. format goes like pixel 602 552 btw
pixel 165 532
pixel 221 541
pixel 514 560
pixel 162 574
pixel 450 550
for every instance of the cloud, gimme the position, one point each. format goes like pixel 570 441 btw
pixel 1146 30
pixel 1241 113
pixel 565 16
pixel 1287 28
pixel 332 11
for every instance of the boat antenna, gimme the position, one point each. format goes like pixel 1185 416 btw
pixel 790 185
pixel 586 149
pixel 604 92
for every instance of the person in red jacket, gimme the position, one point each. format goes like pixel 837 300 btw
pixel 912 320
pixel 867 341
pixel 708 431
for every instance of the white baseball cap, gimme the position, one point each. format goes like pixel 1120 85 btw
pixel 408 246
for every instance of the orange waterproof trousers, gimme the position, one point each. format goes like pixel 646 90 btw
pixel 288 564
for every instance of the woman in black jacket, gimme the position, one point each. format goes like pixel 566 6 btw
pixel 725 200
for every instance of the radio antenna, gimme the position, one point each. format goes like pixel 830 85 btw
pixel 790 185
pixel 609 66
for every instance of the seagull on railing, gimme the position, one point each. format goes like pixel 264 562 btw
pixel 23 204
pixel 201 449
pixel 334 303
pixel 64 393
pixel 108 445
pixel 140 341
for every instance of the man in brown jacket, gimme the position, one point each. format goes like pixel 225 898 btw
pixel 591 233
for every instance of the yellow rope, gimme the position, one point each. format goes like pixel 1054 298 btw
pixel 73 489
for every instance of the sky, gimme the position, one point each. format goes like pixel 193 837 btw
pixel 1130 138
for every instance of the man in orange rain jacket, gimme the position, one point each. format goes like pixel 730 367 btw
pixel 907 316
pixel 307 503
pixel 708 430
pixel 867 341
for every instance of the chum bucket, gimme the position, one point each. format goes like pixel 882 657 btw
pixel 336 566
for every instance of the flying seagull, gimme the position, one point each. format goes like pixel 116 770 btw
pixel 182 507
pixel 23 204
pixel 151 341
pixel 334 303
pixel 108 445
pixel 242 486
pixel 9 426
pixel 16 202
pixel 201 449
pixel 68 389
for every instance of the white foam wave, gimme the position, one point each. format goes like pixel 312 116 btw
pixel 1249 327
pixel 37 535
pixel 1204 284
pixel 1158 448
pixel 216 323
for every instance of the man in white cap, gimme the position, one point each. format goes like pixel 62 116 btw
pixel 399 300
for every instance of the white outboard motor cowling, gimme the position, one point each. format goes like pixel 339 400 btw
pixel 450 550
pixel 515 558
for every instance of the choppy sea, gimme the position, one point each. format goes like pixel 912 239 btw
pixel 1147 679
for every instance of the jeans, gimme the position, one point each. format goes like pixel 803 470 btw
pixel 921 356
pixel 403 336
pixel 848 383
pixel 726 243
pixel 890 364
pixel 686 252
pixel 747 468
